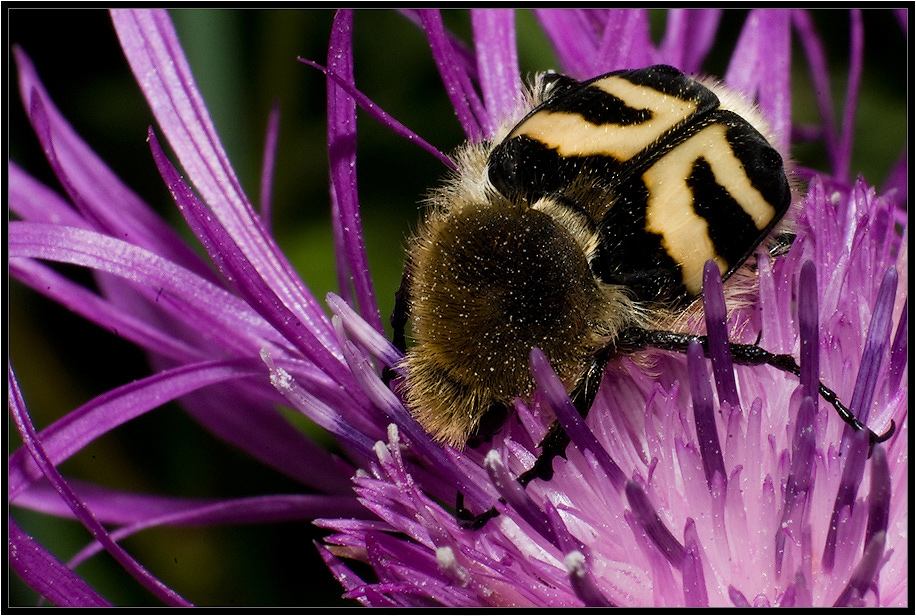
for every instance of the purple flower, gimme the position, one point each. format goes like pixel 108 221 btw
pixel 673 493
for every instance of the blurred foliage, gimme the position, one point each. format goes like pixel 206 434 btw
pixel 243 61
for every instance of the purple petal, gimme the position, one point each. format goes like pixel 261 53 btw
pixel 251 510
pixel 582 582
pixel 162 71
pixel 380 115
pixel 241 273
pixel 352 263
pixel 271 137
pixel 689 35
pixel 572 39
pixel 717 334
pixel 497 60
pixel 820 78
pixel 847 130
pixel 876 342
pixel 514 494
pixel 349 580
pixel 849 486
pixel 423 446
pixel 109 506
pixel 737 597
pixel 103 200
pixel 704 415
pixel 760 66
pixel 367 337
pixel 879 495
pixel 897 364
pixel 45 574
pixel 625 42
pixel 864 576
pixel 95 309
pixel 652 524
pixel 799 480
pixel 317 410
pixel 75 430
pixel 217 316
pixel 229 414
pixel 569 417
pixel 809 355
pixel 567 542
pixel 692 568
pixel 158 63
pixel 33 444
pixel 31 200
pixel 475 120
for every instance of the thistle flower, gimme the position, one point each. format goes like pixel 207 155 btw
pixel 671 494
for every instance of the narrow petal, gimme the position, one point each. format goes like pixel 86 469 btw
pixel 569 417
pixel 572 40
pixel 809 355
pixel 760 66
pixel 31 200
pixel 74 431
pixel 515 496
pixel 380 115
pixel 253 510
pixel 626 42
pixel 798 482
pixel 433 452
pixel 374 342
pixel 352 262
pixel 103 313
pixel 36 449
pixel 876 343
pixel 271 136
pixel 864 575
pixel 897 364
pixel 497 60
pixel 652 524
pixel 154 53
pixel 104 201
pixel 583 583
pixel 45 574
pixel 694 580
pixel 704 415
pixel 820 78
pixel 472 114
pixel 241 273
pixel 879 495
pixel 216 315
pixel 717 334
pixel 689 35
pixel 847 129
pixel 853 468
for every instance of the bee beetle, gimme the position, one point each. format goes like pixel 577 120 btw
pixel 582 229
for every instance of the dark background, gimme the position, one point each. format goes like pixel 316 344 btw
pixel 243 61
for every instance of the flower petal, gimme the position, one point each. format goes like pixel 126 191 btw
pixel 158 63
pixel 103 200
pixel 472 114
pixel 35 448
pixel 760 66
pixel 71 433
pixel 497 61
pixel 46 575
pixel 245 278
pixel 689 35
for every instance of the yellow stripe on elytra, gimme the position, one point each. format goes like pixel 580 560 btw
pixel 670 212
pixel 570 134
